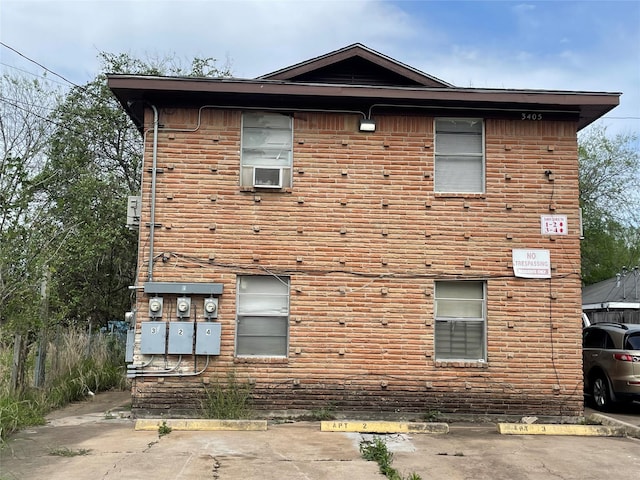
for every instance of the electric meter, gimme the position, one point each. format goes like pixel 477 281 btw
pixel 184 307
pixel 155 307
pixel 210 307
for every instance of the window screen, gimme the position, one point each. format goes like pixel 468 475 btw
pixel 459 155
pixel 262 316
pixel 460 321
pixel 267 140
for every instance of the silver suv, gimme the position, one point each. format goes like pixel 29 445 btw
pixel 611 363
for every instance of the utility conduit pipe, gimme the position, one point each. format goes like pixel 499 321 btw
pixel 154 168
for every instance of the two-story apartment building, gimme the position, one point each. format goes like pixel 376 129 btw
pixel 350 231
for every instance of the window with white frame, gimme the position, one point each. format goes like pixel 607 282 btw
pixel 266 158
pixel 459 155
pixel 460 318
pixel 262 316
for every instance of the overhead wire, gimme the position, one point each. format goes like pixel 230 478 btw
pixel 39 64
pixel 82 88
pixel 32 74
pixel 271 271
pixel 63 126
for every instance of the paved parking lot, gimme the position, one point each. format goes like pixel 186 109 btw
pixel 92 441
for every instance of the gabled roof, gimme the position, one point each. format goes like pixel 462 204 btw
pixel 621 291
pixel 359 80
pixel 356 65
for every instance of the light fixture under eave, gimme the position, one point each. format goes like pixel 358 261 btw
pixel 367 125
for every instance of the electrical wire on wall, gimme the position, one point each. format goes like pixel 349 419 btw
pixel 241 268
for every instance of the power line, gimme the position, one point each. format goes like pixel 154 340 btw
pixel 63 126
pixel 37 115
pixel 11 101
pixel 39 64
pixel 33 74
pixel 79 87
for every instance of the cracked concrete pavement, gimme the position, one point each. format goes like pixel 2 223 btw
pixel 96 440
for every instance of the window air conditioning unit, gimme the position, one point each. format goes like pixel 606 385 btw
pixel 267 177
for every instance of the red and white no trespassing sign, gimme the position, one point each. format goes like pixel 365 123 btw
pixel 535 263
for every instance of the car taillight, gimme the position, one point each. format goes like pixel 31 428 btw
pixel 623 357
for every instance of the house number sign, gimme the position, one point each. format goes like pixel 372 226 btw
pixel 553 224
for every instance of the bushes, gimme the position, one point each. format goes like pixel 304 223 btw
pixel 77 364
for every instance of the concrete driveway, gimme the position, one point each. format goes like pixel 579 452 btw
pixel 95 440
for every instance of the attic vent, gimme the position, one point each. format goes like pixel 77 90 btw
pixel 133 211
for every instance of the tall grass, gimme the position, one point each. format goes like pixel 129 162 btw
pixel 228 400
pixel 77 364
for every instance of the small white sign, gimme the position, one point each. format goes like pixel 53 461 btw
pixel 531 263
pixel 553 224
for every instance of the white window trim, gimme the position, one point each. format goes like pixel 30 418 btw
pixel 288 317
pixel 483 154
pixel 463 319
pixel 286 172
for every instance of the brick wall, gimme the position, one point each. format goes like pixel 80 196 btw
pixel 362 207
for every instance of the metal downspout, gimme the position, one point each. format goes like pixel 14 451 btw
pixel 153 190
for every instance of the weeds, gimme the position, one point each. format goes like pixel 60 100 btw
pixel 18 411
pixel 324 413
pixel 76 365
pixel 164 429
pixel 67 452
pixel 229 401
pixel 376 451
pixel 589 421
pixel 432 416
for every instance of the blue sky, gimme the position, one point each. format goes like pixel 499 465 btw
pixel 551 45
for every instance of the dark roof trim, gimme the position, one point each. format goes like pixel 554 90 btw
pixel 198 85
pixel 129 89
pixel 356 50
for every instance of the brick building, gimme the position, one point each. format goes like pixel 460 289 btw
pixel 350 231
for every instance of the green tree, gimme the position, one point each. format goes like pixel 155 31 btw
pixel 610 201
pixel 608 246
pixel 26 241
pixel 96 157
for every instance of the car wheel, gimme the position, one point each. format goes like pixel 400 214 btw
pixel 600 393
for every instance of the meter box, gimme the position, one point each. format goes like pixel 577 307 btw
pixel 180 338
pixel 128 353
pixel 210 308
pixel 208 338
pixel 153 337
pixel 183 305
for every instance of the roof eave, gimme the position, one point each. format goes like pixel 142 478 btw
pixel 612 306
pixel 589 105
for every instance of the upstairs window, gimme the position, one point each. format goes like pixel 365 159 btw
pixel 266 157
pixel 460 314
pixel 263 316
pixel 459 155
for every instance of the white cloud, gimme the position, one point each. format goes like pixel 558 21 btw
pixel 259 36
pixel 531 46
